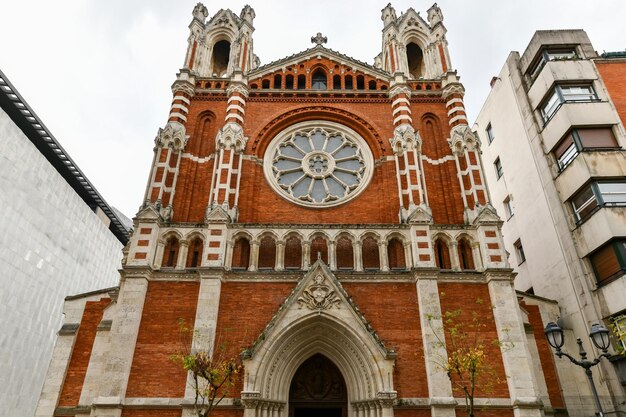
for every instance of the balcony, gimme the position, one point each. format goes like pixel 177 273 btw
pixel 576 114
pixel 606 223
pixel 613 295
pixel 587 165
pixel 570 71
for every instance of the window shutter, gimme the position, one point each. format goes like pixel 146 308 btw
pixel 597 138
pixel 563 146
pixel 605 263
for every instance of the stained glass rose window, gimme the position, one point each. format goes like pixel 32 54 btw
pixel 318 163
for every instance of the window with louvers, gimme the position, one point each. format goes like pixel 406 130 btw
pixel 608 262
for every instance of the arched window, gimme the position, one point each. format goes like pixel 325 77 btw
pixel 348 82
pixel 360 82
pixel 220 57
pixel 293 253
pixel 278 80
pixel 369 250
pixel 336 82
pixel 241 254
pixel 466 259
pixel 442 254
pixel 267 253
pixel 415 59
pixel 345 253
pixel 265 84
pixel 371 85
pixel 395 253
pixel 301 82
pixel 194 255
pixel 289 82
pixel 170 253
pixel 319 80
pixel 319 245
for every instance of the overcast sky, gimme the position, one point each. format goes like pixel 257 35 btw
pixel 98 73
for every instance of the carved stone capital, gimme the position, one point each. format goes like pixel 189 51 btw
pixel 405 138
pixel 231 136
pixel 173 136
pixel 452 88
pixel 399 88
pixel 463 139
pixel 238 87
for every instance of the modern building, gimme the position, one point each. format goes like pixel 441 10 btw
pixel 553 140
pixel 58 237
pixel 323 217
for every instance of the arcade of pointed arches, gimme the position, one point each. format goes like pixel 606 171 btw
pixel 345 251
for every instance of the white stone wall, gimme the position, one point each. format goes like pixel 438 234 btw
pixel 51 245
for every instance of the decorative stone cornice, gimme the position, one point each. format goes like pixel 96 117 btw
pixel 238 87
pixel 421 214
pixel 185 83
pixel 400 88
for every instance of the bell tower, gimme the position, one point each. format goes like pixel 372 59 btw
pixel 223 44
pixel 412 46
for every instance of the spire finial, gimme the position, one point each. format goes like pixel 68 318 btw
pixel 319 39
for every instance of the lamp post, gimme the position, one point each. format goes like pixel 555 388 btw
pixel 599 336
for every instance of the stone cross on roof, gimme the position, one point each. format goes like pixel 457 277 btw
pixel 319 39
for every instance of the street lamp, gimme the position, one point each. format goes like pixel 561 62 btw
pixel 599 336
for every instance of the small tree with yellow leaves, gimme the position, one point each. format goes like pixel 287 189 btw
pixel 465 362
pixel 211 375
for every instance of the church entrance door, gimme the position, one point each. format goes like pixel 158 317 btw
pixel 318 390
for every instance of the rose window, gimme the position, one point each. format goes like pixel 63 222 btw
pixel 318 163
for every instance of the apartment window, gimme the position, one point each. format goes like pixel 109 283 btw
pixel 563 94
pixel 609 261
pixel 490 135
pixel 508 207
pixel 498 166
pixel 552 54
pixel 519 251
pixel 596 195
pixel 619 326
pixel 582 139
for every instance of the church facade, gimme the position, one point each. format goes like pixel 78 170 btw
pixel 324 218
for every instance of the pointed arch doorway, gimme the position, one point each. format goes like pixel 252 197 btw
pixel 318 390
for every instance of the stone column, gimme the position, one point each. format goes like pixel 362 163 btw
pixel 158 256
pixel 306 253
pixel 206 321
pixel 124 332
pixel 478 260
pixel 408 261
pixel 358 256
pixel 455 264
pixel 382 254
pixel 254 256
pixel 228 261
pixel 442 402
pixel 280 255
pixel 332 255
pixel 183 249
pixel 515 353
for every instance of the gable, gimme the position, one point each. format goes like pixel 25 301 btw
pixel 332 63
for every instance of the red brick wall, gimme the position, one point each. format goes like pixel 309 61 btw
pixel 153 373
pixel 612 74
pixel 396 319
pixel 546 357
pixel 77 368
pixel 268 115
pixel 464 297
pixel 245 309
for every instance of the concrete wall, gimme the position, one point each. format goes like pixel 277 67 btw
pixel 52 245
